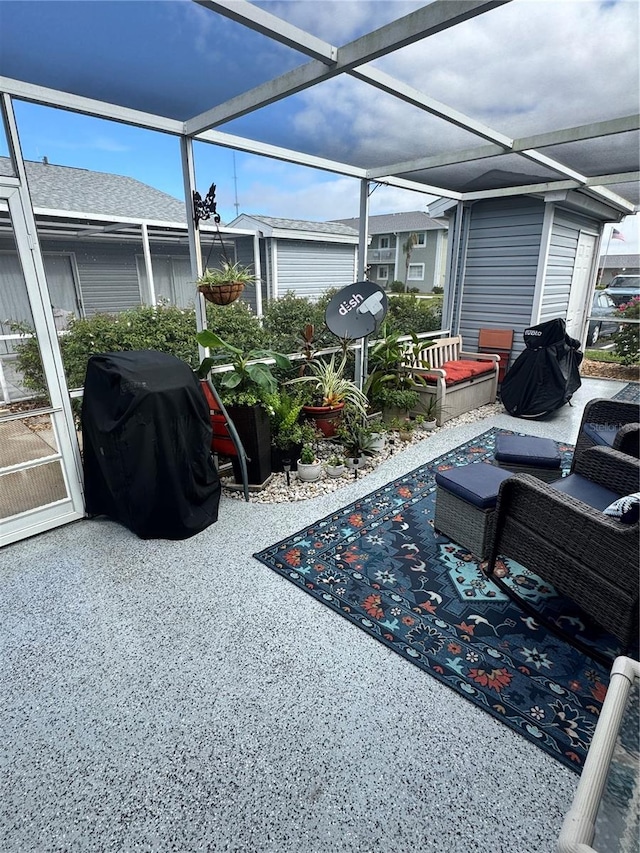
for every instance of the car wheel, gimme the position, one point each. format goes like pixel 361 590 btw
pixel 595 334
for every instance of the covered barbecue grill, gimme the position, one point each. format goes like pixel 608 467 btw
pixel 146 445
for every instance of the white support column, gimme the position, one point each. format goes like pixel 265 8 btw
pixel 273 253
pixel 363 228
pixel 543 261
pixel 258 271
pixel 195 253
pixel 150 295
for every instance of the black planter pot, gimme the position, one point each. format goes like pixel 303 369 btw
pixel 278 455
pixel 254 430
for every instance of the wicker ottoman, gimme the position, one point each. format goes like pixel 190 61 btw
pixel 465 504
pixel 528 454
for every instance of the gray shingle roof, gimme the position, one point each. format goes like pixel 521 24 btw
pixel 619 261
pixel 80 190
pixel 391 223
pixel 302 225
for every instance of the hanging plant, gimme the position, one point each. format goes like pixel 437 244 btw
pixel 224 285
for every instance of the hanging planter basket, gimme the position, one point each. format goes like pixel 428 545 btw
pixel 222 294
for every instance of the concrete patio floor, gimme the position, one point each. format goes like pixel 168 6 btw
pixel 179 696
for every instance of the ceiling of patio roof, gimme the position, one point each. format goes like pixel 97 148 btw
pixel 372 104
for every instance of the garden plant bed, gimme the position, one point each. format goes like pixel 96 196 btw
pixel 610 370
pixel 277 490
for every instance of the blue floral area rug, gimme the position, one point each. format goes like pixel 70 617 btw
pixel 379 563
pixel 629 394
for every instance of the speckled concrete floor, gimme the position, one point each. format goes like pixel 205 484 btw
pixel 179 696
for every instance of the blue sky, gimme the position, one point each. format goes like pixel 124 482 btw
pixel 573 81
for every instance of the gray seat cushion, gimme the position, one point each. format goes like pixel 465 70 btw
pixel 586 491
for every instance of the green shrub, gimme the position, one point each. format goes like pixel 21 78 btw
pixel 407 314
pixel 238 325
pixel 627 340
pixel 396 286
pixel 285 319
pixel 163 327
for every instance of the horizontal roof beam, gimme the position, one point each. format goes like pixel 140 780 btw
pixel 106 229
pixel 88 106
pixel 428 20
pixel 276 152
pixel 591 184
pixel 414 186
pixel 554 165
pixel 257 19
pixel 593 130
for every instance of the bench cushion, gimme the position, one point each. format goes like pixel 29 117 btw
pixel 477 483
pixel 460 371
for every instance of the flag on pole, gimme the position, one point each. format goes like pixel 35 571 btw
pixel 617 235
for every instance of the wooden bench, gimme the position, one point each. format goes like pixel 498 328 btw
pixel 459 381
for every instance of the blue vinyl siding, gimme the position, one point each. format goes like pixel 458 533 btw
pixel 501 263
pixel 561 256
pixel 310 268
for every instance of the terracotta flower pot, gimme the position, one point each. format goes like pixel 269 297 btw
pixel 326 418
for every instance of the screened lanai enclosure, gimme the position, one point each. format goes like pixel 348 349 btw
pixel 477 105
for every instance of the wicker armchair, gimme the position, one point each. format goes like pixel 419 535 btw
pixel 612 413
pixel 588 556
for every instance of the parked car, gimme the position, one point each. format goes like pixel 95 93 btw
pixel 600 326
pixel 622 288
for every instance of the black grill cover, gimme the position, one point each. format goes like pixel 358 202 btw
pixel 545 376
pixel 146 445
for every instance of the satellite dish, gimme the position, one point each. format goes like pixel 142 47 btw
pixel 357 310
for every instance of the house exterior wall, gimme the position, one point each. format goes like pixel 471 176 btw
pixel 393 259
pixel 561 256
pixel 107 273
pixel 309 268
pixel 501 262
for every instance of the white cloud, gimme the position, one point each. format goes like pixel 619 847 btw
pixel 302 195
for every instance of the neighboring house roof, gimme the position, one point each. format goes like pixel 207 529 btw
pixel 619 261
pixel 274 226
pixel 64 188
pixel 398 223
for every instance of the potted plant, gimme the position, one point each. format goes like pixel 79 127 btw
pixel 287 432
pixel 397 402
pixel 355 435
pixel 225 284
pixel 309 466
pixel 330 391
pixel 428 414
pixel 390 388
pixel 243 390
pixel 404 427
pixel 334 466
pixel 378 435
